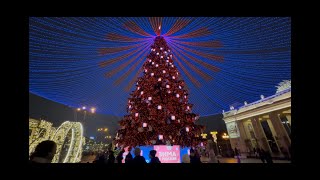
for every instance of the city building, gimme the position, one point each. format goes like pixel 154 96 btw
pixel 264 124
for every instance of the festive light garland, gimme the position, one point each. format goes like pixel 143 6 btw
pixel 97 60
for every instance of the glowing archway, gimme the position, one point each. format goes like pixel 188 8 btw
pixel 69 139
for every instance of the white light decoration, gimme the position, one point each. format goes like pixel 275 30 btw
pixel 165 52
pixel 138 88
pixel 157 65
pixel 149 60
pixel 149 98
pixel 161 48
pixel 83 107
pixel 262 96
pixel 177 95
pixel 187 129
pixel 167 86
pixel 284 85
pixel 152 74
pixel 185 96
pixel 180 87
pixel 231 108
pixel 161 57
pixel 177 73
pixel 137 114
pixel 141 92
pixel 173 117
pixel 163 71
pixel 159 107
pixel 129 106
pixel 169 91
pixel 169 50
pixel 171 65
pixel 188 107
pixel 201 144
pixel 171 55
pixel 154 49
pixel 159 79
pixel 245 103
pixel 144 125
pixel 167 57
pixel 145 70
pixel 152 63
pixel 157 53
pixel 167 60
pixel 160 137
pixel 222 111
pixel 173 77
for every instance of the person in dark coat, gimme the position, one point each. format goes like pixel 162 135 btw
pixel 261 154
pixel 138 159
pixel 111 158
pixel 194 157
pixel 129 157
pixel 44 152
pixel 120 156
pixel 153 157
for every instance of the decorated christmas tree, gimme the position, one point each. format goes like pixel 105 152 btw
pixel 158 109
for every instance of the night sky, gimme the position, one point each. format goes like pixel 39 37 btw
pixel 57 113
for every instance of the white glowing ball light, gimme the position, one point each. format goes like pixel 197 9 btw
pixel 180 87
pixel 141 92
pixel 161 48
pixel 138 88
pixel 167 60
pixel 187 129
pixel 173 117
pixel 152 74
pixel 157 65
pixel 159 79
pixel 137 114
pixel 201 144
pixel 188 107
pixel 173 77
pixel 145 70
pixel 159 107
pixel 177 95
pixel 169 91
pixel 167 86
pixel 149 98
pixel 160 137
pixel 152 63
pixel 161 57
pixel 144 125
pixel 163 71
pixel 129 106
pixel 171 65
pixel 149 60
pixel 165 52
pixel 185 96
pixel 157 53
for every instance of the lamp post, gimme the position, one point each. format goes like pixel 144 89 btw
pixel 226 137
pixel 214 136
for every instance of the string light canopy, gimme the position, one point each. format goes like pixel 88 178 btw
pixel 95 60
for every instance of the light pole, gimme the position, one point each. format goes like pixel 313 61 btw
pixel 214 136
pixel 226 137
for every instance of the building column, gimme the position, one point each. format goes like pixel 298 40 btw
pixel 259 133
pixel 282 137
pixel 243 136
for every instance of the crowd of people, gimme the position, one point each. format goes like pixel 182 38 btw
pixel 46 150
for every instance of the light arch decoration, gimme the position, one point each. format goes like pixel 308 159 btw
pixel 69 139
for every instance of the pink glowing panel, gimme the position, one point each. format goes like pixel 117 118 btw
pixel 168 154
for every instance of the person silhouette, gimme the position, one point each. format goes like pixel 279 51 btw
pixel 44 152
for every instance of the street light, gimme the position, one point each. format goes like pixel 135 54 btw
pixel 214 136
pixel 226 137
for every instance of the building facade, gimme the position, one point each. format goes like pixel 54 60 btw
pixel 264 124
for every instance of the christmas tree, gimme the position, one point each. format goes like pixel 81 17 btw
pixel 158 110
